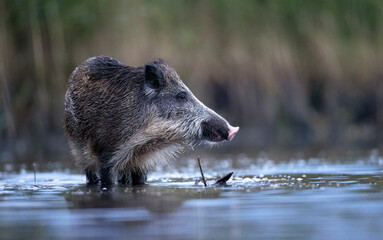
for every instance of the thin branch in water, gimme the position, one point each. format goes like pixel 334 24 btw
pixel 200 168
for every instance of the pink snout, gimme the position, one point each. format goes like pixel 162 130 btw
pixel 232 132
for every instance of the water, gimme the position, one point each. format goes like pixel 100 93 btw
pixel 297 199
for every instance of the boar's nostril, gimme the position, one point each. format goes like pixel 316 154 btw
pixel 232 132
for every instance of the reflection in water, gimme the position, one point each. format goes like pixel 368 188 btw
pixel 151 198
pixel 314 200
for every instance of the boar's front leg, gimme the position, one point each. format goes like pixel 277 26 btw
pixel 132 178
pixel 105 170
pixel 91 176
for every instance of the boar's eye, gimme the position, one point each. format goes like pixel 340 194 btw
pixel 182 96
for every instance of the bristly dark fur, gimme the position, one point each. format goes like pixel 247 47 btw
pixel 122 120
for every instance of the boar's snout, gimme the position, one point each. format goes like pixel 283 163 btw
pixel 232 132
pixel 217 130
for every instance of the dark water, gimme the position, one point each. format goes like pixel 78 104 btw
pixel 296 199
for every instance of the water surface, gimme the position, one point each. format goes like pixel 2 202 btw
pixel 295 199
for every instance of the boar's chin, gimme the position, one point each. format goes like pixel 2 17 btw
pixel 212 137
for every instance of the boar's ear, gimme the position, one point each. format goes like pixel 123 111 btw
pixel 154 78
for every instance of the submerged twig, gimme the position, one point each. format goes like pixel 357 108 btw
pixel 200 168
pixel 222 181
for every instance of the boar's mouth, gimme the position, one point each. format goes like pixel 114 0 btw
pixel 216 130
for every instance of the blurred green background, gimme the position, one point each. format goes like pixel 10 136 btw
pixel 290 73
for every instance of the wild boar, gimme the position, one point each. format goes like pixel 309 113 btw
pixel 123 120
